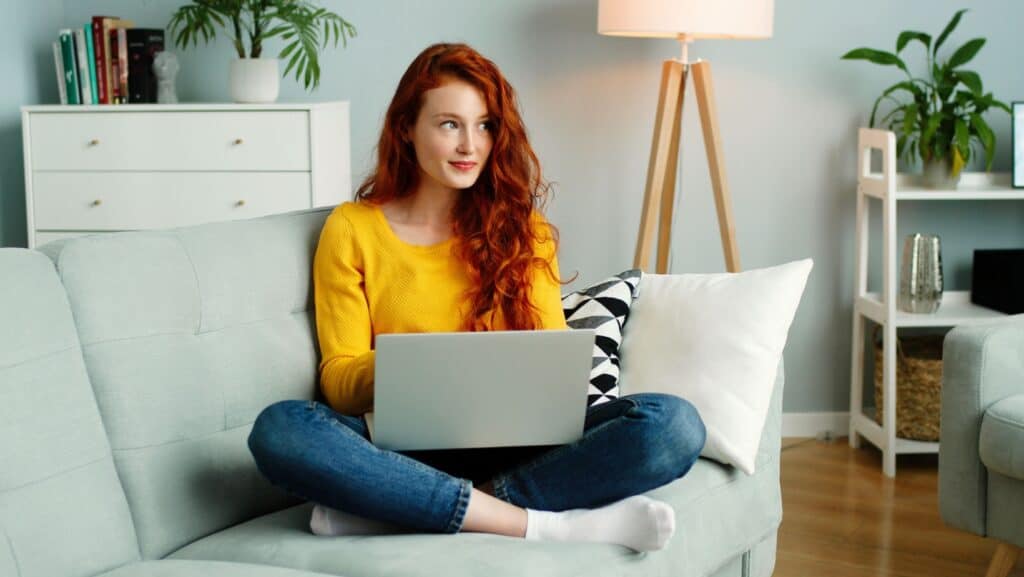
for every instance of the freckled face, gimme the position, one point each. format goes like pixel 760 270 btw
pixel 452 135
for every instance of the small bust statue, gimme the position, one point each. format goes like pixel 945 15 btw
pixel 165 67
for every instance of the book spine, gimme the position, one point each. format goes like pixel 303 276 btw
pixel 101 70
pixel 70 75
pixel 108 61
pixel 122 60
pixel 143 44
pixel 58 59
pixel 82 60
pixel 90 57
pixel 115 74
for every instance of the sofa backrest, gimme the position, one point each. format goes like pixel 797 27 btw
pixel 188 334
pixel 62 510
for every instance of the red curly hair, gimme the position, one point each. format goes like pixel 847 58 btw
pixel 491 219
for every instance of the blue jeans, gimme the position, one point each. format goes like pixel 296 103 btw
pixel 629 446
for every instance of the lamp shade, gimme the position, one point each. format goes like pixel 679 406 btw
pixel 694 18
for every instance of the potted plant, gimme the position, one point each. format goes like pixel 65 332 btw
pixel 939 119
pixel 307 27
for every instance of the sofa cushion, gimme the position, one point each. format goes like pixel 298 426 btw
pixel 62 510
pixel 174 568
pixel 187 335
pixel 720 512
pixel 1001 444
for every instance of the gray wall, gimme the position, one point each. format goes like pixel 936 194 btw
pixel 789 110
pixel 26 66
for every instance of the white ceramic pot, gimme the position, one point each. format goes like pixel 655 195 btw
pixel 254 80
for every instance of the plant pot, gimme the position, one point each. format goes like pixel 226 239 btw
pixel 938 174
pixel 254 80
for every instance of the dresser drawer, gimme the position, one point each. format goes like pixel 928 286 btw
pixel 69 201
pixel 204 140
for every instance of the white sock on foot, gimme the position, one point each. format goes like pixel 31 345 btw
pixel 334 523
pixel 639 522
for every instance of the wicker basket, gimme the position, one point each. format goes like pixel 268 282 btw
pixel 918 386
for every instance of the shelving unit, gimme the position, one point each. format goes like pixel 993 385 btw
pixel 889 188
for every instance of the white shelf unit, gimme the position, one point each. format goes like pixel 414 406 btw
pixel 957 309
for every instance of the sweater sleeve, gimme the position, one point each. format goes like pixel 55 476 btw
pixel 342 319
pixel 546 287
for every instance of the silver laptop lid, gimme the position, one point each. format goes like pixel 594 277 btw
pixel 486 389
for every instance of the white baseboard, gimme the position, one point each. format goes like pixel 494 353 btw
pixel 813 424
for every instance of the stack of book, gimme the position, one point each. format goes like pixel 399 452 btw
pixel 107 61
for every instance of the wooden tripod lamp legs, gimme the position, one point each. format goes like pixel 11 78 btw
pixel 1003 560
pixel 659 196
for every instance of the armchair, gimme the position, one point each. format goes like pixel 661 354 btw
pixel 981 456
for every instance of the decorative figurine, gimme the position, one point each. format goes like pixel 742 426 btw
pixel 165 66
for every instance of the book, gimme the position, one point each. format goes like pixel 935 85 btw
pixel 108 23
pixel 90 55
pixel 99 48
pixel 59 62
pixel 122 65
pixel 82 64
pixel 70 75
pixel 114 74
pixel 143 44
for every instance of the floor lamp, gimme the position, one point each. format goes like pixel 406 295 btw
pixel 686 20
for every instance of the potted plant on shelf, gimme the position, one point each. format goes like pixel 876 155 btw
pixel 939 120
pixel 306 27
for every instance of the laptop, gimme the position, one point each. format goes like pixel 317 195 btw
pixel 485 389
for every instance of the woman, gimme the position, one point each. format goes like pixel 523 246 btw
pixel 446 235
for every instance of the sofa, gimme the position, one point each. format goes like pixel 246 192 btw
pixel 132 366
pixel 981 457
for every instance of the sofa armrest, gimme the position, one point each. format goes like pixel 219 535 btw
pixel 981 364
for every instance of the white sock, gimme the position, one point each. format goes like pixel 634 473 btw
pixel 639 522
pixel 333 523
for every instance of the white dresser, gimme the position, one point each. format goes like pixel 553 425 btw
pixel 92 169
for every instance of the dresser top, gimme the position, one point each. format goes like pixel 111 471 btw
pixel 190 107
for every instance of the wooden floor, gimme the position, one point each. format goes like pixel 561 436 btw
pixel 842 517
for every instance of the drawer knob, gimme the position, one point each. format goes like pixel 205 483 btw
pixel 97 202
pixel 237 142
pixel 94 142
pixel 240 203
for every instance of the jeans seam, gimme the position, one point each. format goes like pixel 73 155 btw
pixel 461 505
pixel 500 485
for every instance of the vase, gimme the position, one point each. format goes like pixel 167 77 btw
pixel 938 174
pixel 254 80
pixel 920 274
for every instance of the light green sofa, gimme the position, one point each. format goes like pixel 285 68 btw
pixel 132 366
pixel 981 457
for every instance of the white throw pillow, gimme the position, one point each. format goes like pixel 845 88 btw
pixel 715 340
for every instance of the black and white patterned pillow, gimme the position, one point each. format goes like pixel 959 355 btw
pixel 605 308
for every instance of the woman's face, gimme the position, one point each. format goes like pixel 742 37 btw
pixel 452 135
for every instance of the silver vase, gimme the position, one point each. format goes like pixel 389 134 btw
pixel 921 274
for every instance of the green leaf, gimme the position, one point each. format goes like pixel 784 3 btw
pixel 971 80
pixel 965 53
pixel 908 35
pixel 909 119
pixel 1001 105
pixel 962 137
pixel 905 85
pixel 876 56
pixel 988 139
pixel 947 31
pixel 930 127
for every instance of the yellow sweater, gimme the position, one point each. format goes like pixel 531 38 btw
pixel 368 282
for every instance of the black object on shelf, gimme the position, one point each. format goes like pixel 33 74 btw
pixel 143 44
pixel 997 280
